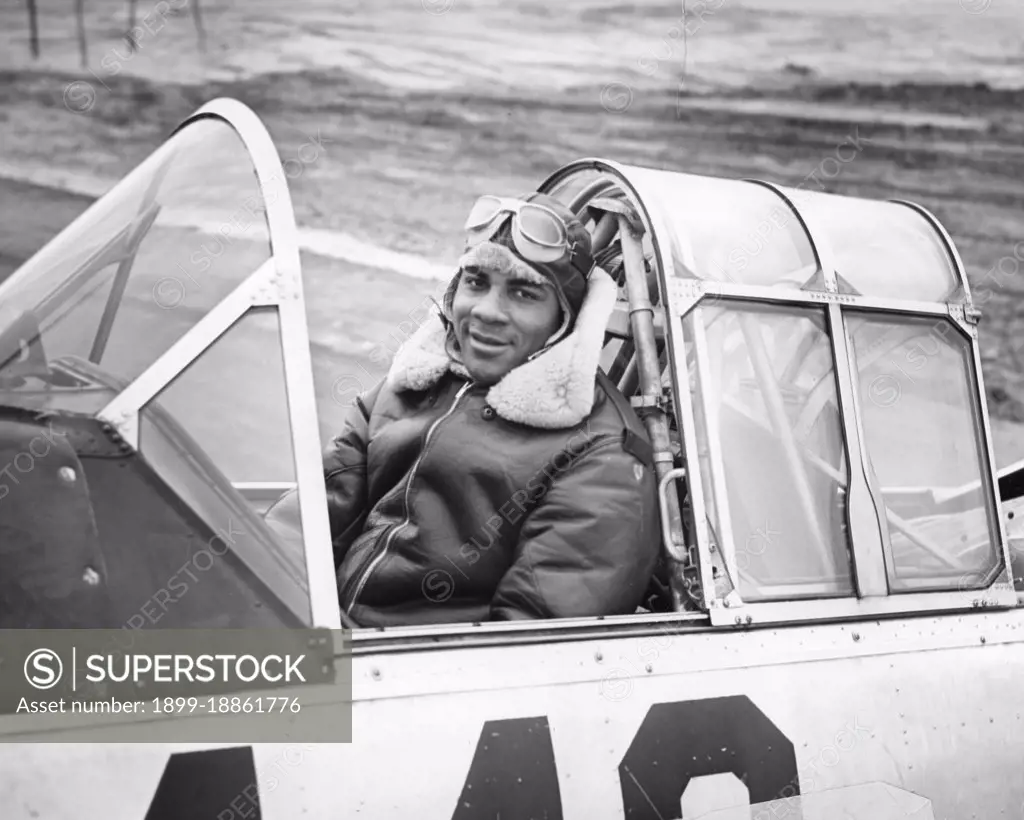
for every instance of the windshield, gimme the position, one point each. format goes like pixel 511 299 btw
pixel 730 231
pixel 882 248
pixel 770 435
pixel 922 426
pixel 142 266
pixel 771 445
pixel 768 414
pixel 98 311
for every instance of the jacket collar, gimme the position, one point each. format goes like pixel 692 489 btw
pixel 554 390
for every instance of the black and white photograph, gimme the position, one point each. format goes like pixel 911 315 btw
pixel 493 410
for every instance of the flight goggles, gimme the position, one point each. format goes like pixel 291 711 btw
pixel 539 233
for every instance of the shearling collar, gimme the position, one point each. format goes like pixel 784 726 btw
pixel 552 391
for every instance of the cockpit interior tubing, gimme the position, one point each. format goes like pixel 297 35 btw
pixel 642 324
pixel 777 414
pixel 604 232
pixel 595 188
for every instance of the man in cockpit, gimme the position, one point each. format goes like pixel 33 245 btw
pixel 496 473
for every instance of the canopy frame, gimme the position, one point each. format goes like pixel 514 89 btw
pixel 277 283
pixel 870 544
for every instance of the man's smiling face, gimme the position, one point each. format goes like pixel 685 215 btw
pixel 500 320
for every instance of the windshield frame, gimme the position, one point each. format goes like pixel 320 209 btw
pixel 276 283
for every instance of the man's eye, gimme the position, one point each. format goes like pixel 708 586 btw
pixel 527 293
pixel 475 282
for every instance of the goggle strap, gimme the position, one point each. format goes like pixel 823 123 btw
pixel 584 263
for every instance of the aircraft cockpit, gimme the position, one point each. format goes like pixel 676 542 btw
pixel 157 395
pixel 807 366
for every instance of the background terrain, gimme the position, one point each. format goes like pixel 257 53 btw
pixel 419 105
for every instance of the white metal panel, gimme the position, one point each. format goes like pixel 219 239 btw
pixel 923 705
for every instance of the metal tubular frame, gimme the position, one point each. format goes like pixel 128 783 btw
pixel 137 230
pixel 278 283
pixel 147 215
pixel 684 409
pixel 726 542
pixel 641 314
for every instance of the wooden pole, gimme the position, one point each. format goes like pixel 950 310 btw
pixel 197 17
pixel 33 29
pixel 83 47
pixel 129 35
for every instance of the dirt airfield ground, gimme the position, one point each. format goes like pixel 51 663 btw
pixel 397 165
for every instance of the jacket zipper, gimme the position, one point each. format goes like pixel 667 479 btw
pixel 408 489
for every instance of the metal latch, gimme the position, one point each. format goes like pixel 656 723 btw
pixel 648 402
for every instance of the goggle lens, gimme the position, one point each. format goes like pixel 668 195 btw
pixel 539 233
pixel 483 212
pixel 540 225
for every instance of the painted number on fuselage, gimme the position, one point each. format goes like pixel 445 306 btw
pixel 513 774
pixel 210 784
